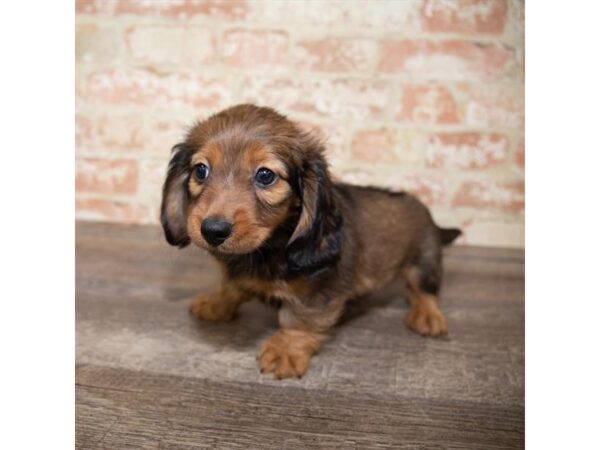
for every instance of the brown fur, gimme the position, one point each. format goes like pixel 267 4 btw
pixel 303 241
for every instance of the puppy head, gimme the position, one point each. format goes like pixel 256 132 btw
pixel 244 175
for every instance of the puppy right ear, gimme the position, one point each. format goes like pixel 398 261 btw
pixel 173 211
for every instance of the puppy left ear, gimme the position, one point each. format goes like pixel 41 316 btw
pixel 315 244
pixel 173 211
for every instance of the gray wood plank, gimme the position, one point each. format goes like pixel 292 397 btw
pixel 150 411
pixel 132 328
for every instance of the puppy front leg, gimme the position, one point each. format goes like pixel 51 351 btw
pixel 219 306
pixel 301 334
pixel 287 353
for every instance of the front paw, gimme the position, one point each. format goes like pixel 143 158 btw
pixel 213 308
pixel 287 353
pixel 427 321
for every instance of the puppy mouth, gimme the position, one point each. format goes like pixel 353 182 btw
pixel 218 251
pixel 229 249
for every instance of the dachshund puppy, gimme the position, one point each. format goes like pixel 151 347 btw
pixel 252 189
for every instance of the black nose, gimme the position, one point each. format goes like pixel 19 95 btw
pixel 215 231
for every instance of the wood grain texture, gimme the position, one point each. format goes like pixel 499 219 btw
pixel 150 376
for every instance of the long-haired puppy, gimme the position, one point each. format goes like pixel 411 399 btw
pixel 252 189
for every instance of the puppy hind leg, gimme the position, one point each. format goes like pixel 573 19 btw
pixel 424 315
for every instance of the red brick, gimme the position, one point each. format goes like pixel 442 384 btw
pixel 110 133
pixel 94 7
pixel 449 60
pixel 119 176
pixel 427 104
pixel 339 99
pixel 374 146
pixel 226 9
pixel 139 87
pixel 83 130
pixel 466 150
pixel 464 16
pixel 83 6
pixel 123 132
pixel 503 196
pixel 429 188
pixel 170 44
pixel 109 210
pixel 493 105
pixel 335 55
pixel 251 48
pixel 520 154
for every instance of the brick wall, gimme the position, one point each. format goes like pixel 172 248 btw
pixel 422 95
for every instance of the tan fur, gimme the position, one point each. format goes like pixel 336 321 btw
pixel 277 194
pixel 424 315
pixel 258 155
pixel 218 307
pixel 287 353
pixel 211 155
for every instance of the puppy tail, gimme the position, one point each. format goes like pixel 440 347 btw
pixel 448 235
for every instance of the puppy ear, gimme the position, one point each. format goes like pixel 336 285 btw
pixel 315 244
pixel 173 215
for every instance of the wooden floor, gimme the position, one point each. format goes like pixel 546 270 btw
pixel 150 376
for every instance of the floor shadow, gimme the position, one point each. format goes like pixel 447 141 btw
pixel 393 294
pixel 256 320
pixel 253 322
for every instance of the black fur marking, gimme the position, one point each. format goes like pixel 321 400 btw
pixel 316 251
pixel 430 285
pixel 448 235
pixel 430 277
pixel 267 262
pixel 179 168
pixel 429 268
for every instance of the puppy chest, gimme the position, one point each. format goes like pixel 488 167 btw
pixel 274 289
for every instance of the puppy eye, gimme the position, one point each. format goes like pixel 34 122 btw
pixel 201 172
pixel 265 177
